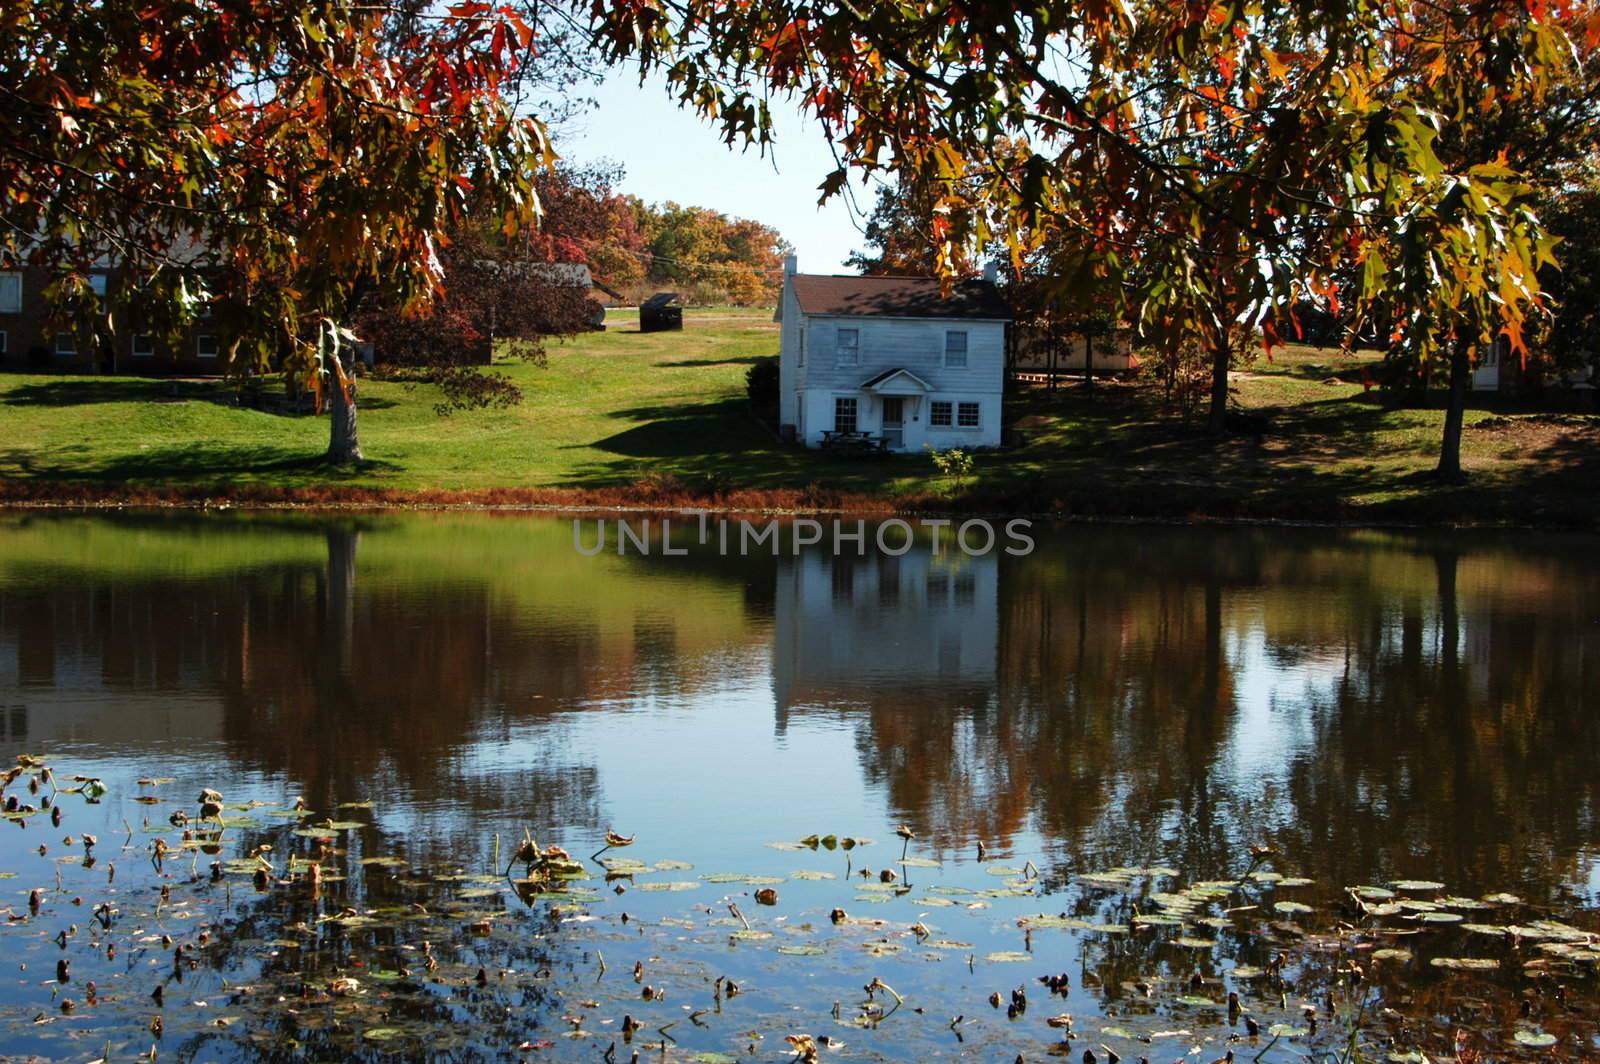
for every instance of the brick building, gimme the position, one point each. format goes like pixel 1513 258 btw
pixel 30 339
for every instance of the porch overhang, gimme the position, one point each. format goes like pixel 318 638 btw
pixel 896 382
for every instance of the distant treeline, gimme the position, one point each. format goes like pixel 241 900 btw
pixel 638 248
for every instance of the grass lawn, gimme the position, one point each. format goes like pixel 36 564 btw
pixel 615 408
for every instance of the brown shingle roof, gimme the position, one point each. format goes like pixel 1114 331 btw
pixel 896 297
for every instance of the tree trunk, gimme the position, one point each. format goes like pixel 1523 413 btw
pixel 1221 356
pixel 343 446
pixel 342 595
pixel 1454 414
pixel 1088 361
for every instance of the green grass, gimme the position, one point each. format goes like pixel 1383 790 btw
pixel 612 408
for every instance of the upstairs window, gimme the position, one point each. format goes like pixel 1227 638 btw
pixel 955 349
pixel 849 347
pixel 968 416
pixel 800 351
pixel 97 284
pixel 10 292
pixel 844 415
pixel 941 414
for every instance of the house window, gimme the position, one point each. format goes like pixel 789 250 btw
pixel 97 284
pixel 143 346
pixel 955 350
pixel 3 347
pixel 844 415
pixel 968 415
pixel 205 346
pixel 800 355
pixel 66 344
pixel 941 414
pixel 849 347
pixel 10 292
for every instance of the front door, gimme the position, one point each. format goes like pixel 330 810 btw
pixel 894 422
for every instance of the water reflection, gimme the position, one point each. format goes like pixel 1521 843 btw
pixel 1371 705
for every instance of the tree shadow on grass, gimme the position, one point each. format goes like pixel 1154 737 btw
pixel 210 464
pixel 92 390
pixel 720 427
pixel 64 393
pixel 691 363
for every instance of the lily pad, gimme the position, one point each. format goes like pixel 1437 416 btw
pixel 1196 1002
pixel 1466 964
pixel 1291 907
pixel 1536 1039
pixel 1008 957
pixel 1440 918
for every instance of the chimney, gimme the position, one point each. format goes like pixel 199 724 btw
pixel 991 272
pixel 791 264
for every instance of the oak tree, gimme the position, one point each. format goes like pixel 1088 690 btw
pixel 273 164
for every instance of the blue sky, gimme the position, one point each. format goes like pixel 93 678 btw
pixel 671 154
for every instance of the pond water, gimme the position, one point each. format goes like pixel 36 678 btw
pixel 391 704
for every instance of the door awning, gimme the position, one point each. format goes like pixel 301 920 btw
pixel 896 382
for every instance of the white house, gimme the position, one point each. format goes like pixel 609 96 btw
pixel 891 357
pixel 881 631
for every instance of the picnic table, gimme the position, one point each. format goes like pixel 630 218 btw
pixel 852 442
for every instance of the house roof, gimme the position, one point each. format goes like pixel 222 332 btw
pixel 911 380
pixel 896 297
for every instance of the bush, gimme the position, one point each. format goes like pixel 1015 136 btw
pixel 954 464
pixel 761 383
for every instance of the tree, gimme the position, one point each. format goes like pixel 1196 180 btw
pixel 276 164
pixel 1573 214
pixel 900 234
pixel 714 256
pixel 1512 124
pixel 1090 121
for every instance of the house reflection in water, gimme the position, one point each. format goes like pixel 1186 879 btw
pixel 885 632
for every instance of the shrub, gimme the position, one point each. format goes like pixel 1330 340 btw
pixel 761 383
pixel 954 464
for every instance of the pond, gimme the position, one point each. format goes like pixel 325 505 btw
pixel 1164 792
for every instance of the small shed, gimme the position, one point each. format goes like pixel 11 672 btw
pixel 662 312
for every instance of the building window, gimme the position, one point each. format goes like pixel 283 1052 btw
pixel 3 347
pixel 844 415
pixel 800 356
pixel 941 414
pixel 97 284
pixel 66 344
pixel 143 346
pixel 205 346
pixel 968 416
pixel 10 292
pixel 849 347
pixel 955 350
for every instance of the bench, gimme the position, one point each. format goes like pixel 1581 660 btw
pixel 852 442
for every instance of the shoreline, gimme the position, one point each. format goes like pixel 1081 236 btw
pixel 780 503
